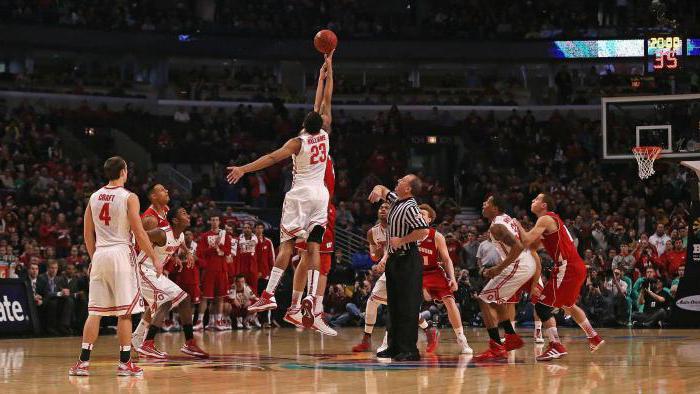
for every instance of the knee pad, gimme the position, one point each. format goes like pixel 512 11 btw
pixel 325 264
pixel 543 311
pixel 316 234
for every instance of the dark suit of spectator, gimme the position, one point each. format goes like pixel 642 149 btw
pixel 58 307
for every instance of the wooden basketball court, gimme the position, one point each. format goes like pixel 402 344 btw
pixel 286 360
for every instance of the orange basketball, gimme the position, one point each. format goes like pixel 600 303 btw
pixel 325 41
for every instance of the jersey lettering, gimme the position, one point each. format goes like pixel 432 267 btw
pixel 104 214
pixel 318 154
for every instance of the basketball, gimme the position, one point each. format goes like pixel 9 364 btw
pixel 325 41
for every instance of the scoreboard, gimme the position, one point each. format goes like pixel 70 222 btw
pixel 664 53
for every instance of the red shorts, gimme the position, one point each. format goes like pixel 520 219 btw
pixel 564 286
pixel 436 284
pixel 215 284
pixel 192 290
pixel 525 289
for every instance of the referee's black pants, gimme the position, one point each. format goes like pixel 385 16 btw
pixel 404 290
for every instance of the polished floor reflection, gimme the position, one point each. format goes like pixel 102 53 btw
pixel 289 361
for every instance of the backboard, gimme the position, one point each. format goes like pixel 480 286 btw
pixel 670 121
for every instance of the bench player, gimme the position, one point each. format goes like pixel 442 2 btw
pixel 305 207
pixel 436 282
pixel 294 314
pixel 160 293
pixel 568 275
pixel 516 269
pixel 111 215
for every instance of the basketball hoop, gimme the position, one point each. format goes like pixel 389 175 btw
pixel 645 156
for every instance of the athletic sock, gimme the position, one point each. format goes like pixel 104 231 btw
pixel 370 315
pixel 312 282
pixel 553 335
pixel 187 328
pixel 367 337
pixel 152 331
pixel 318 307
pixel 507 326
pixel 588 329
pixel 493 334
pixel 458 331
pixel 125 353
pixel 275 276
pixel 86 348
pixel 142 327
pixel 423 324
pixel 296 297
pixel 200 318
pixel 538 324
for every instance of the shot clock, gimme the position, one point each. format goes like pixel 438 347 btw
pixel 664 53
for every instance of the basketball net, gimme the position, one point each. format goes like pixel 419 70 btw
pixel 645 156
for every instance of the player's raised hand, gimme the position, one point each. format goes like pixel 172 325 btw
pixel 234 174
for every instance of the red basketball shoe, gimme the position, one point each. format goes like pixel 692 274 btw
pixel 364 345
pixel 433 338
pixel 513 342
pixel 495 352
pixel 190 347
pixel 129 369
pixel 554 351
pixel 595 343
pixel 307 311
pixel 80 369
pixel 266 302
pixel 293 316
pixel 148 349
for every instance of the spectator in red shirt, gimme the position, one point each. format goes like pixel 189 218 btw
pixel 672 259
pixel 47 231
pixel 454 247
pixel 213 248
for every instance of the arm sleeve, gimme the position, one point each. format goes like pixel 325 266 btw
pixel 414 219
pixel 391 197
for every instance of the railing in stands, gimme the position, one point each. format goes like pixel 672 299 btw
pixel 176 178
pixel 349 243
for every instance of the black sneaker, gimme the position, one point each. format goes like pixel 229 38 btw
pixel 406 357
pixel 388 353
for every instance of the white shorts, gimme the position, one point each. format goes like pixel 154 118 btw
pixel 303 208
pixel 505 286
pixel 114 289
pixel 158 290
pixel 379 291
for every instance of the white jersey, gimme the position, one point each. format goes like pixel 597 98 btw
pixel 172 245
pixel 379 236
pixel 511 225
pixel 110 216
pixel 310 163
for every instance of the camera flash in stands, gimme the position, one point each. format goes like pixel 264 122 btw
pixel 431 139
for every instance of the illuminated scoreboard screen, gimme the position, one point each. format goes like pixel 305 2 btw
pixel 664 53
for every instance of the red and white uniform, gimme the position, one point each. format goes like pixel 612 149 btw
pixel 328 242
pixel 506 286
pixel 213 248
pixel 157 290
pixel 434 277
pixel 114 289
pixel 306 204
pixel 265 256
pixel 162 220
pixel 187 278
pixel 247 263
pixel 569 272
pixel 379 289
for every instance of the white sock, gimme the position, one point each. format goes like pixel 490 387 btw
pixel 553 335
pixel 296 297
pixel 423 324
pixel 275 276
pixel 459 331
pixel 370 315
pixel 312 282
pixel 200 318
pixel 588 329
pixel 318 308
pixel 176 317
pixel 538 325
pixel 142 327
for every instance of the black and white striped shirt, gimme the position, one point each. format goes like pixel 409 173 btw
pixel 404 217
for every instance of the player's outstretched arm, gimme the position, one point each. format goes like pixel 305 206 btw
pixel 532 238
pixel 89 231
pixel 291 147
pixel 133 209
pixel 500 233
pixel 378 193
pixel 446 259
pixel 325 109
pixel 318 99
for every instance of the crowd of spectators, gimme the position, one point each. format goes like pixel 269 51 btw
pixel 632 235
pixel 452 19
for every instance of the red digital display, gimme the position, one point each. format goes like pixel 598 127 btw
pixel 665 60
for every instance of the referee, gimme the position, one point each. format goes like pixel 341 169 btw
pixel 404 267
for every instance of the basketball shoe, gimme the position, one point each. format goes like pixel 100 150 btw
pixel 319 324
pixel 538 336
pixel 595 343
pixel 80 369
pixel 137 338
pixel 433 336
pixel 190 347
pixel 265 302
pixel 513 342
pixel 554 351
pixel 464 345
pixel 495 352
pixel 198 327
pixel 148 349
pixel 307 311
pixel 364 345
pixel 385 343
pixel 129 369
pixel 293 316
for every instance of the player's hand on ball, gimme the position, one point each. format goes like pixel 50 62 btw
pixel 234 174
pixel 395 242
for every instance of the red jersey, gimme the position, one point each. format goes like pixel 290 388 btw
pixel 162 220
pixel 186 276
pixel 329 178
pixel 211 259
pixel 428 249
pixel 560 245
pixel 265 256
pixel 246 254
